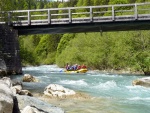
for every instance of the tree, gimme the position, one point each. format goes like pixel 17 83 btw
pixel 47 45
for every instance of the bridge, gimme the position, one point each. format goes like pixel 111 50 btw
pixel 121 17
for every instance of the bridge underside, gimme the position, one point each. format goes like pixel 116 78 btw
pixel 84 27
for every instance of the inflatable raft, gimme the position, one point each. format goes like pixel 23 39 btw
pixel 76 71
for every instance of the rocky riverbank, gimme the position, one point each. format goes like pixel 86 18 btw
pixel 15 99
pixel 12 101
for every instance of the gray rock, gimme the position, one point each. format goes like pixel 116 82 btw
pixel 24 101
pixel 6 98
pixel 7 80
pixel 32 109
pixel 10 102
pixel 16 82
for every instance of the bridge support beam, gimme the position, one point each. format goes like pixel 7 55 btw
pixel 9 47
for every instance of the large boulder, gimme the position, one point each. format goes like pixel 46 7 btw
pixel 6 98
pixel 142 82
pixel 36 104
pixel 56 90
pixel 29 78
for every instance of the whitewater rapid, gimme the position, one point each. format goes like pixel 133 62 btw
pixel 117 90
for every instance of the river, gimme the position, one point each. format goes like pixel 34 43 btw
pixel 110 93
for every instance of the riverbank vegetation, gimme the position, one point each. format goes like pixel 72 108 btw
pixel 129 50
pixel 114 50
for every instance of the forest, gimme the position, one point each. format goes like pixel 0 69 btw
pixel 124 50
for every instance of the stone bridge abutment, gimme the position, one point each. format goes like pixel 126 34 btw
pixel 10 61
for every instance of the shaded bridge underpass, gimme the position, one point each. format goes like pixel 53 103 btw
pixel 84 27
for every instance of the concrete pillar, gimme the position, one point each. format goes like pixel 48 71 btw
pixel 10 49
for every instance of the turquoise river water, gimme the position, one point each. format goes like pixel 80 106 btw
pixel 111 93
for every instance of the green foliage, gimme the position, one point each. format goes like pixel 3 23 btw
pixel 64 42
pixel 143 59
pixel 42 49
pixel 26 51
pixel 46 48
pixel 118 1
pixel 113 50
pixel 116 50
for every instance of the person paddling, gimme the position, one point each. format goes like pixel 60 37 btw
pixel 83 66
pixel 67 66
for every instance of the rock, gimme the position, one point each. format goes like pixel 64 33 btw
pixel 56 90
pixel 28 109
pixel 7 81
pixel 142 82
pixel 24 92
pixel 18 87
pixel 16 82
pixel 11 102
pixel 18 90
pixel 39 105
pixel 32 109
pixel 14 90
pixel 6 98
pixel 29 78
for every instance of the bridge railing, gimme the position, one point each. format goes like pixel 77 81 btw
pixel 72 15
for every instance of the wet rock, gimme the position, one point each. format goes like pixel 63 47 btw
pixel 29 78
pixel 6 98
pixel 56 90
pixel 42 106
pixel 142 82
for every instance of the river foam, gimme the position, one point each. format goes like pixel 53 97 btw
pixel 111 93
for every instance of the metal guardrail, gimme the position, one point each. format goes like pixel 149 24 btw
pixel 72 15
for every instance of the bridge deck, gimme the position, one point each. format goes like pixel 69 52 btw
pixel 79 19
